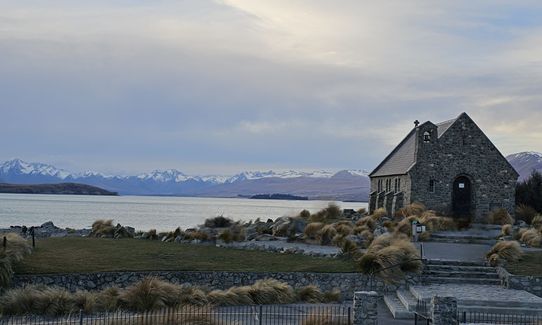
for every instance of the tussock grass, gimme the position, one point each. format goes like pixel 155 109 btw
pixel 235 232
pixel 436 223
pixel 509 251
pixel 379 213
pixel 271 291
pixel 326 234
pixel 102 228
pixel 16 249
pixel 310 294
pixel 414 209
pixel 344 229
pixel 531 237
pixel 368 222
pixel 537 222
pixel 327 215
pixel 333 296
pixel 218 222
pixel 150 294
pixel 347 246
pixel 507 230
pixel 312 229
pixel 390 257
pixel 499 217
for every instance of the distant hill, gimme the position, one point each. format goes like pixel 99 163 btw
pixel 62 188
pixel 525 163
pixel 346 185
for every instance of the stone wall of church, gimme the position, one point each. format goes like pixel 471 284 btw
pixel 462 150
pixel 387 197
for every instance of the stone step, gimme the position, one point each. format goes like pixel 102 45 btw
pixel 486 269
pixel 407 298
pixel 458 240
pixel 396 307
pixel 495 313
pixel 460 274
pixel 453 263
pixel 459 280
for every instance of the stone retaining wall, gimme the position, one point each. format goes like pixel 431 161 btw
pixel 532 284
pixel 346 282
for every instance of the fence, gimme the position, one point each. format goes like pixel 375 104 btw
pixel 238 315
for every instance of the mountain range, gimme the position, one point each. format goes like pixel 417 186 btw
pixel 345 185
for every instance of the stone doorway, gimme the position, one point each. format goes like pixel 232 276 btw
pixel 462 197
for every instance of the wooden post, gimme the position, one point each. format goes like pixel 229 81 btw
pixel 5 243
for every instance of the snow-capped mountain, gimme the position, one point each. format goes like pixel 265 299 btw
pixel 346 184
pixel 526 162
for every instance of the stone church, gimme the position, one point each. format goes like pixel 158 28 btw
pixel 451 167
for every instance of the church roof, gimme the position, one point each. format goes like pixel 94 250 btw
pixel 403 157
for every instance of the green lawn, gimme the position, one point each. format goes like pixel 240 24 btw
pixel 530 264
pixel 73 254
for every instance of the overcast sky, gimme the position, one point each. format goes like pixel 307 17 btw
pixel 210 87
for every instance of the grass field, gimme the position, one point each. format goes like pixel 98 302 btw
pixel 530 264
pixel 74 254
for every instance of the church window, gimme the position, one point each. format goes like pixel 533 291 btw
pixel 432 186
pixel 427 136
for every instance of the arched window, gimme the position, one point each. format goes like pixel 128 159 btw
pixel 427 136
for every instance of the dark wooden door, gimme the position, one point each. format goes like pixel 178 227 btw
pixel 462 197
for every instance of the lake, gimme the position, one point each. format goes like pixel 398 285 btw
pixel 144 212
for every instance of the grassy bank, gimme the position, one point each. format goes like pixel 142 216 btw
pixel 530 264
pixel 73 254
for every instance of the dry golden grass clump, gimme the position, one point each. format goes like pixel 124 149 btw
pixel 531 237
pixel 537 222
pixel 304 214
pixel 218 222
pixel 379 213
pixel 196 235
pixel 271 291
pixel 326 234
pixel 413 209
pixel 507 230
pixel 499 217
pixel 312 229
pixel 235 232
pixel 310 294
pixel 237 296
pixel 424 236
pixel 327 215
pixel 102 228
pixel 525 213
pixel 344 229
pixel 368 222
pixel 347 246
pixel 16 249
pixel 150 294
pixel 390 257
pixel 509 251
pixel 436 223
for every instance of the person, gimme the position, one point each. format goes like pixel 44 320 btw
pixel 24 230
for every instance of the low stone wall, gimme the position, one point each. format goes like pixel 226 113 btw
pixel 346 282
pixel 532 284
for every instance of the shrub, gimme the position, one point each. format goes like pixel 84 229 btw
pixel 326 234
pixel 368 222
pixel 343 229
pixel 529 192
pixel 413 209
pixel 362 211
pixel 236 232
pixel 367 237
pixel 17 248
pixel 271 291
pixel 150 235
pixel 312 229
pixel 509 251
pixel 304 214
pixel 108 299
pixel 231 297
pixel 218 222
pixel 388 251
pixel 507 230
pixel 150 294
pixel 379 213
pixel 332 296
pixel 525 213
pixel 196 235
pixel 436 223
pixel 102 228
pixel 347 246
pixel 332 212
pixel 499 217
pixel 531 237
pixel 191 295
pixel 310 294
pixel 537 222
pixel 404 227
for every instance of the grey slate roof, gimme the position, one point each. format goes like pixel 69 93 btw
pixel 403 157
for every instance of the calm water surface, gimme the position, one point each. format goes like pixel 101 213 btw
pixel 143 212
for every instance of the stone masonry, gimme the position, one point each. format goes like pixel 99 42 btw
pixel 425 166
pixel 365 308
pixel 444 311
